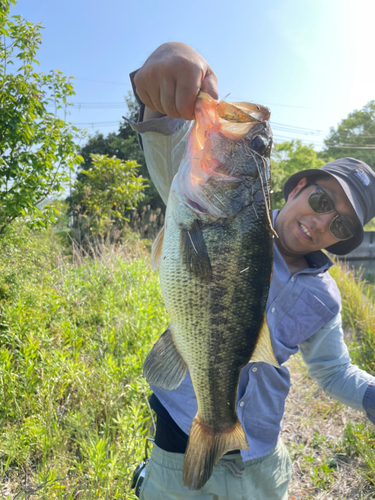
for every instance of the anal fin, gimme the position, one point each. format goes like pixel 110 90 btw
pixel 164 365
pixel 263 350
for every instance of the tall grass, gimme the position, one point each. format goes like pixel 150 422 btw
pixel 358 312
pixel 74 331
pixel 75 326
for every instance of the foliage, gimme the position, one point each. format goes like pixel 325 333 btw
pixel 146 222
pixel 37 147
pixel 124 145
pixel 74 332
pixel 290 157
pixel 358 312
pixel 360 440
pixel 103 193
pixel 357 129
pixel 370 226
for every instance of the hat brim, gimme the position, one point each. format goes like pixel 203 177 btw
pixel 342 247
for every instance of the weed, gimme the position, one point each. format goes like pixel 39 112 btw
pixel 74 332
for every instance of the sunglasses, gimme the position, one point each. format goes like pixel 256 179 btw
pixel 320 203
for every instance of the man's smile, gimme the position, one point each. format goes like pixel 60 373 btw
pixel 305 232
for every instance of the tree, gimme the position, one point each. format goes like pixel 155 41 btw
pixel 37 146
pixel 123 145
pixel 291 157
pixel 107 190
pixel 357 130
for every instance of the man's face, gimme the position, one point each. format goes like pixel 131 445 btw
pixel 300 229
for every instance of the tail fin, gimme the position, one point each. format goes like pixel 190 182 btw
pixel 205 448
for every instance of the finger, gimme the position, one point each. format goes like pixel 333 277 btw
pixel 150 97
pixel 146 99
pixel 151 100
pixel 154 94
pixel 187 90
pixel 167 98
pixel 210 85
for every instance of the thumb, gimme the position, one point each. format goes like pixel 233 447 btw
pixel 209 84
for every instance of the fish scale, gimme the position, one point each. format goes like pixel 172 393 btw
pixel 215 263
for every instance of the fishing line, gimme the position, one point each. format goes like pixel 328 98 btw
pixel 266 198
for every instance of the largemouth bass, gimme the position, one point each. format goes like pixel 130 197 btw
pixel 215 255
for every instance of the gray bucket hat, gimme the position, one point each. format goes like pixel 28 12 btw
pixel 357 180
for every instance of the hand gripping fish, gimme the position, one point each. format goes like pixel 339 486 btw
pixel 215 255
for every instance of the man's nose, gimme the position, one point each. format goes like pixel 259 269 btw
pixel 323 221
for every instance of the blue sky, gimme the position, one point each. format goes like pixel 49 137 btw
pixel 310 61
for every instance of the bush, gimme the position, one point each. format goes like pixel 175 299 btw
pixel 102 196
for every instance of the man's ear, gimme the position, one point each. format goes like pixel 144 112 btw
pixel 302 183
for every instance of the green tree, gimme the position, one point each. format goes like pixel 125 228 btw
pixel 37 146
pixel 107 190
pixel 290 157
pixel 357 130
pixel 124 145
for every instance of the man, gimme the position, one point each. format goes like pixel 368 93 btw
pixel 324 209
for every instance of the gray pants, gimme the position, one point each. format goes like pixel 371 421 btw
pixel 264 478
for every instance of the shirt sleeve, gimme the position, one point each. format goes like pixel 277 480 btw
pixel 164 144
pixel 327 358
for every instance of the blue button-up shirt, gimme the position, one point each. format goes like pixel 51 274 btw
pixel 303 313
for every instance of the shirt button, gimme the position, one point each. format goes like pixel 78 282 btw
pixel 254 369
pixel 242 403
pixel 291 279
pixel 273 310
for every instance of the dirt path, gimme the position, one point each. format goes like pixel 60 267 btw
pixel 313 428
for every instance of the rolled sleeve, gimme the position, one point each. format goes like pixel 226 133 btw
pixel 369 402
pixel 327 358
pixel 164 144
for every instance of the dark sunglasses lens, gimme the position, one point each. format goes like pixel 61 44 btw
pixel 341 228
pixel 320 202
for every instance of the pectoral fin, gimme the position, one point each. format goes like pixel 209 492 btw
pixel 194 251
pixel 156 249
pixel 263 350
pixel 164 365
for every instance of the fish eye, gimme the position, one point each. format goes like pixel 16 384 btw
pixel 259 144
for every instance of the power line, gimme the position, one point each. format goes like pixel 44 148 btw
pixel 99 105
pixel 96 124
pixel 294 128
pixel 287 106
pixel 101 81
pixel 351 146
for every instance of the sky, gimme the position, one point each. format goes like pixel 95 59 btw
pixel 310 61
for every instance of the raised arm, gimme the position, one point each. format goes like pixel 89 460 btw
pixel 169 81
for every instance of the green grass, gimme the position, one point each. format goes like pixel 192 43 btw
pixel 74 332
pixel 359 315
pixel 358 312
